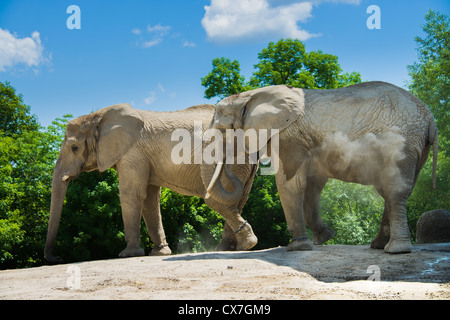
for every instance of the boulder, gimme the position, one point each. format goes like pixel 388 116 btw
pixel 433 227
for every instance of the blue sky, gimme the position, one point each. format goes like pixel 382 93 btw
pixel 152 54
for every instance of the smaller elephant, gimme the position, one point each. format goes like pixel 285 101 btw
pixel 139 145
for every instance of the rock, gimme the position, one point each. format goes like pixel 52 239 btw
pixel 433 227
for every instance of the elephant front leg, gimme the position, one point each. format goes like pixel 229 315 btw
pixel 132 196
pixel 291 196
pixel 384 234
pixel 131 214
pixel 152 217
pixel 321 231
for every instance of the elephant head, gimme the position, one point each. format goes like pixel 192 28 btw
pixel 92 142
pixel 221 181
pixel 268 108
pixel 274 107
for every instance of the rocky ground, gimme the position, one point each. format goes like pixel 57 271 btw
pixel 327 272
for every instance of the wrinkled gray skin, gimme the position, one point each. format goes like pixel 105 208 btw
pixel 371 133
pixel 138 145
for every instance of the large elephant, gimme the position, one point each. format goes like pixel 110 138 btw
pixel 138 144
pixel 371 133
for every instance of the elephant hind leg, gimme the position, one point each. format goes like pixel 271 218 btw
pixel 393 236
pixel 394 231
pixel 229 240
pixel 399 241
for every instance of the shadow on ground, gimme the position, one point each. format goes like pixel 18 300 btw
pixel 340 263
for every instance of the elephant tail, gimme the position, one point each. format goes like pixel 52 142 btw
pixel 433 140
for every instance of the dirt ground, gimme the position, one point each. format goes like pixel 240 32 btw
pixel 327 272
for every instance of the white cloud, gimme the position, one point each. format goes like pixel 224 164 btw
pixel 159 29
pixel 230 21
pixel 227 20
pixel 151 43
pixel 153 94
pixel 157 32
pixel 151 98
pixel 189 44
pixel 136 31
pixel 15 51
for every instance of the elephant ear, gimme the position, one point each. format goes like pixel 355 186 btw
pixel 118 131
pixel 274 107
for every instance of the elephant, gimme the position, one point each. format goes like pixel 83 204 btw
pixel 138 144
pixel 371 133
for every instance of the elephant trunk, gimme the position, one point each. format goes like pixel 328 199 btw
pixel 216 190
pixel 59 188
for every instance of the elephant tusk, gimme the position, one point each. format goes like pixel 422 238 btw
pixel 215 176
pixel 65 177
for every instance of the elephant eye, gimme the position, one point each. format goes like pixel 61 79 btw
pixel 74 149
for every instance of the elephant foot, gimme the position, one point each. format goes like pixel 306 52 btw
pixel 324 235
pixel 54 260
pixel 226 245
pixel 382 238
pixel 300 244
pixel 246 239
pixel 161 250
pixel 379 242
pixel 398 246
pixel 132 252
pixel 229 241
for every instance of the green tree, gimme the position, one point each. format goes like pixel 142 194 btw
pixel 190 225
pixel 323 71
pixel 352 210
pixel 283 62
pixel 265 214
pixel 27 156
pixel 15 116
pixel 430 75
pixel 279 63
pixel 224 79
pixel 287 62
pixel 430 82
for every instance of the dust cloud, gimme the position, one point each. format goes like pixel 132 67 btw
pixel 371 159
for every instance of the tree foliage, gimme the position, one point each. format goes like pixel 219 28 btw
pixel 287 62
pixel 279 63
pixel 15 116
pixel 27 156
pixel 430 82
pixel 283 62
pixel 224 79
pixel 430 75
